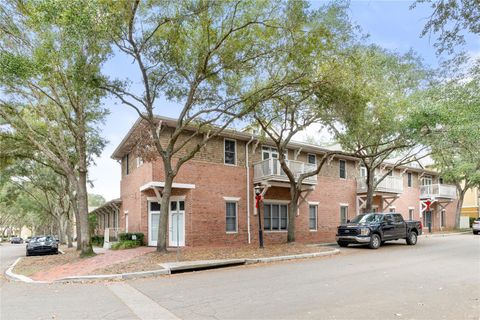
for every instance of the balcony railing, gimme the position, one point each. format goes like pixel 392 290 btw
pixel 389 184
pixel 438 191
pixel 270 169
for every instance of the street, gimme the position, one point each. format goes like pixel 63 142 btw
pixel 439 278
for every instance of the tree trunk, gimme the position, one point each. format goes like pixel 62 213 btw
pixel 164 207
pixel 370 191
pixel 458 210
pixel 69 234
pixel 293 208
pixel 85 245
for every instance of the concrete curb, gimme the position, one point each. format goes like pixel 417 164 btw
pixel 194 265
pixel 433 235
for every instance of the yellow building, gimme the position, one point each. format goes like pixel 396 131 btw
pixel 471 201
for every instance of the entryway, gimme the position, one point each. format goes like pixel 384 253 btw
pixel 176 222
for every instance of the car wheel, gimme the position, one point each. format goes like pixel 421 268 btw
pixel 375 242
pixel 412 238
pixel 342 244
pixel 475 232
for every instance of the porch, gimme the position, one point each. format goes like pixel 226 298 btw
pixel 390 184
pixel 271 170
pixel 435 191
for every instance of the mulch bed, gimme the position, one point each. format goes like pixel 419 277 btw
pixel 33 264
pixel 151 261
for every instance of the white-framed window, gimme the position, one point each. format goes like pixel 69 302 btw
pixel 230 151
pixel 409 179
pixel 275 216
pixel 427 181
pixel 410 213
pixel 442 218
pixel 342 169
pixel 271 152
pixel 312 158
pixel 126 221
pixel 231 216
pixel 343 213
pixel 363 171
pixel 313 217
pixel 139 162
pixel 127 164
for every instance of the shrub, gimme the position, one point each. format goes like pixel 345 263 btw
pixel 129 236
pixel 97 241
pixel 471 221
pixel 125 244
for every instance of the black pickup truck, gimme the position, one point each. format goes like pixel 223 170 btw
pixel 376 228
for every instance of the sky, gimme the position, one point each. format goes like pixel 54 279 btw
pixel 389 24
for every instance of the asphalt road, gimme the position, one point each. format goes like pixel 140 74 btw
pixel 439 278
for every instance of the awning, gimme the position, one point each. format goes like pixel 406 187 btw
pixel 161 184
pixel 108 207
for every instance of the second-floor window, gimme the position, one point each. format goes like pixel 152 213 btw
pixel 312 159
pixel 409 179
pixel 363 171
pixel 127 165
pixel 343 169
pixel 230 151
pixel 427 181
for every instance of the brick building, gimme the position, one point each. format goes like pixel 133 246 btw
pixel 212 201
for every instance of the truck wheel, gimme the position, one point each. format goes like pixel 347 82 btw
pixel 342 244
pixel 375 242
pixel 412 238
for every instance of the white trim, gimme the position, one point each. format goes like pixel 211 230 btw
pixel 152 199
pixel 273 201
pixel 235 160
pixel 411 208
pixel 236 216
pixel 232 199
pixel 170 221
pixel 178 198
pixel 125 213
pixel 149 228
pixel 313 203
pixel 161 184
pixel 345 204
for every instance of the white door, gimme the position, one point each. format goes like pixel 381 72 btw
pixel 176 222
pixel 153 222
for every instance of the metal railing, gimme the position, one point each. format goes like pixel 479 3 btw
pixel 390 184
pixel 438 191
pixel 270 169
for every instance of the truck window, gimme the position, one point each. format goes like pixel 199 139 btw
pixel 397 218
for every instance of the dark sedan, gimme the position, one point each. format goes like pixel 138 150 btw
pixel 16 240
pixel 42 245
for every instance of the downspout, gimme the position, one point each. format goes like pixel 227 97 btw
pixel 248 189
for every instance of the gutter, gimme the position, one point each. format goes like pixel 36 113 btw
pixel 248 189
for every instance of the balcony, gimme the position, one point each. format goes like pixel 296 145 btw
pixel 271 170
pixel 438 191
pixel 390 184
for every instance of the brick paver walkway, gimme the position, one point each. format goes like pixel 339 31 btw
pixel 86 266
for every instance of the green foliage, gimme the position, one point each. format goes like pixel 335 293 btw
pixel 97 241
pixel 95 200
pixel 129 236
pixel 125 244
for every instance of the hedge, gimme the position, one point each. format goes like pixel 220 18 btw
pixel 125 244
pixel 129 237
pixel 97 241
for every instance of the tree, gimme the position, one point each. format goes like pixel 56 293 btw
pixel 449 118
pixel 376 127
pixel 95 200
pixel 48 64
pixel 317 64
pixel 205 55
pixel 451 20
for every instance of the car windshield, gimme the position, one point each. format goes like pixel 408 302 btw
pixel 367 218
pixel 42 239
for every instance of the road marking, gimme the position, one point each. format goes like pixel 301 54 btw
pixel 144 307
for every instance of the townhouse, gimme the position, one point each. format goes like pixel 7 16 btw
pixel 212 202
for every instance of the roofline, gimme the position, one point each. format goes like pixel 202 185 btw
pixel 231 133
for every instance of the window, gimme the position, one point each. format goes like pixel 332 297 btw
pixel 275 217
pixel 270 152
pixel 410 214
pixel 230 151
pixel 139 162
pixel 313 217
pixel 231 216
pixel 343 214
pixel 312 158
pixel 343 169
pixel 390 173
pixel 392 209
pixel 440 180
pixel 409 179
pixel 363 171
pixel 442 219
pixel 127 165
pixel 427 181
